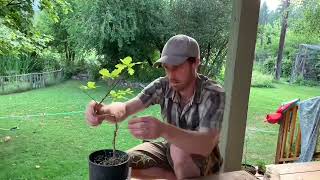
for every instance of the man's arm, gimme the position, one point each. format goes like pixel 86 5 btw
pixel 121 110
pixel 133 106
pixel 194 142
pixel 148 96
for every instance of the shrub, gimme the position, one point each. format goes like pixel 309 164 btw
pixel 286 68
pixel 261 80
pixel 51 60
pixel 302 82
pixel 269 65
pixel 146 73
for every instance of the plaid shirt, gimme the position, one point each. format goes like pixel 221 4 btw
pixel 204 111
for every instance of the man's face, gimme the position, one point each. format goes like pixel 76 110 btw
pixel 180 76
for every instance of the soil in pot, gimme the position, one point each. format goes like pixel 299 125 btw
pixel 103 165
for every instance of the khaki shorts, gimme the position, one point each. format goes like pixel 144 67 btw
pixel 157 154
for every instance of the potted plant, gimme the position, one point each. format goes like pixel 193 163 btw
pixel 261 167
pixel 111 164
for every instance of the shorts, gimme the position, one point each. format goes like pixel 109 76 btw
pixel 157 154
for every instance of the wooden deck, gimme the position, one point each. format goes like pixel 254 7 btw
pixel 294 171
pixel 235 175
pixel 291 171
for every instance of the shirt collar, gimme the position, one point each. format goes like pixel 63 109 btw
pixel 172 94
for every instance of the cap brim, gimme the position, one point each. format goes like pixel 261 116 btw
pixel 172 60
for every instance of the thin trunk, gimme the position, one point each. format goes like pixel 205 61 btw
pixel 219 56
pixel 282 38
pixel 114 140
pixel 66 49
pixel 204 69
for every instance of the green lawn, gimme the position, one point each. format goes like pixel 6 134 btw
pixel 262 137
pixel 53 139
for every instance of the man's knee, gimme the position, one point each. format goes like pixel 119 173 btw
pixel 183 165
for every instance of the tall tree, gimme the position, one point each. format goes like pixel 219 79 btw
pixel 208 22
pixel 284 26
pixel 17 34
pixel 263 20
pixel 263 15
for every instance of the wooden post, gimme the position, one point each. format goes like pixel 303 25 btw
pixel 244 22
pixel 280 136
pixel 292 130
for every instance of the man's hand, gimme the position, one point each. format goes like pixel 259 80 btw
pixel 146 127
pixel 96 113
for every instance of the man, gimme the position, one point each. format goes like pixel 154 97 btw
pixel 192 107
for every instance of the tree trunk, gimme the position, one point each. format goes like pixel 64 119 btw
pixel 282 38
pixel 204 69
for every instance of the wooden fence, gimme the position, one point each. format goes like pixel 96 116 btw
pixel 23 82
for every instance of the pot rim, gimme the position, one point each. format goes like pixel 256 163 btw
pixel 126 161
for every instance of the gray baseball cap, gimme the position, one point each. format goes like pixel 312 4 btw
pixel 178 49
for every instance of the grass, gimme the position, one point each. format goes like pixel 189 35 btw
pixel 56 146
pixel 59 144
pixel 262 137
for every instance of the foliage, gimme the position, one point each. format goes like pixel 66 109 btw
pixel 91 63
pixel 302 29
pixel 286 67
pixel 140 28
pixel 17 34
pixel 261 80
pixel 125 65
pixel 269 65
pixel 208 22
pixel 309 23
pixel 302 82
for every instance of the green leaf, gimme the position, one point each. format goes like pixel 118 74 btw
pixel 121 66
pixel 126 61
pixel 105 73
pixel 115 73
pixel 130 71
pixel 84 87
pixel 129 91
pixel 91 85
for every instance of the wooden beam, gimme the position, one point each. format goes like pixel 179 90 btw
pixel 244 22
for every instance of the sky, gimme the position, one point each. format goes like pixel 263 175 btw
pixel 272 4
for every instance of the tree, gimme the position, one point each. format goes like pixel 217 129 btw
pixel 263 15
pixel 17 34
pixel 282 38
pixel 263 20
pixel 208 22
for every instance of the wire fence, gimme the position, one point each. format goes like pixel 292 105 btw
pixel 23 82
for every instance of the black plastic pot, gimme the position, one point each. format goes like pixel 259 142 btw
pixel 101 172
pixel 249 168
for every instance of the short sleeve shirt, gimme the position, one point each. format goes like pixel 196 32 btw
pixel 204 110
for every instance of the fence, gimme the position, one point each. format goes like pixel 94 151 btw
pixel 23 82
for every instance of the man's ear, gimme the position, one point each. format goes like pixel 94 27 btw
pixel 197 63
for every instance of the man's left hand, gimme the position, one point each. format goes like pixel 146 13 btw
pixel 146 127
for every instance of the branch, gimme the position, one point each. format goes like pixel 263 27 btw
pixel 114 139
pixel 113 86
pixel 89 96
pixel 223 51
pixel 13 4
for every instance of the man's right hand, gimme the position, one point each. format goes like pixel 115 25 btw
pixel 114 112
